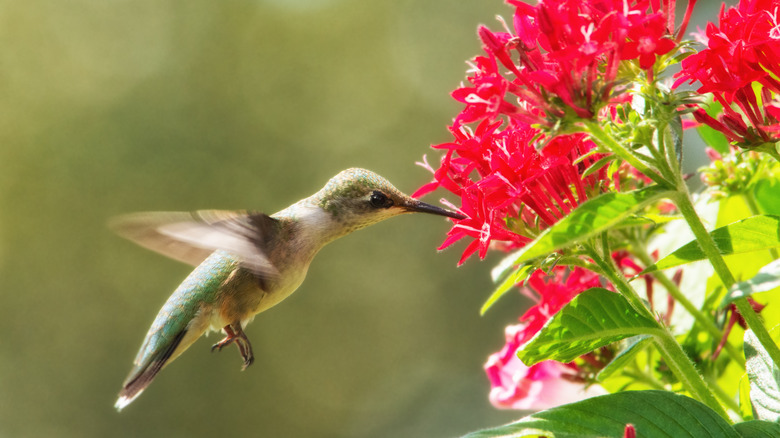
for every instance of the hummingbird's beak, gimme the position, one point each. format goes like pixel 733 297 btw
pixel 415 206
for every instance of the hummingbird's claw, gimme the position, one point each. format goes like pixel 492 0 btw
pixel 242 341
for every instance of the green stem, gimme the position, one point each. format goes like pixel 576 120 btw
pixel 697 314
pixel 684 369
pixel 609 270
pixel 645 378
pixel 597 133
pixel 680 364
pixel 666 171
pixel 683 201
pixel 726 399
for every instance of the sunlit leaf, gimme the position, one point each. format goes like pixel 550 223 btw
pixel 766 279
pixel 590 218
pixel 764 377
pixel 751 234
pixel 767 195
pixel 594 318
pixel 654 414
pixel 502 268
pixel 647 219
pixel 519 275
pixel 626 354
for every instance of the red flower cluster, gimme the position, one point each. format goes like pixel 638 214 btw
pixel 561 60
pixel 741 66
pixel 513 180
pixel 567 52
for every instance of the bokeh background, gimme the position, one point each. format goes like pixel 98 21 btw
pixel 108 107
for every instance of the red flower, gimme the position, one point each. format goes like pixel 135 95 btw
pixel 559 61
pixel 562 58
pixel 740 67
pixel 648 39
pixel 509 190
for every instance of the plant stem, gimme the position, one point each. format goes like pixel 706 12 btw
pixel 609 270
pixel 597 132
pixel 645 378
pixel 723 396
pixel 684 369
pixel 678 361
pixel 697 314
pixel 683 201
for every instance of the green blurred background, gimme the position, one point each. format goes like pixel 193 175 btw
pixel 116 106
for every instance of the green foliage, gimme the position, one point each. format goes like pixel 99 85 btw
pixel 757 429
pixel 764 377
pixel 589 219
pixel 634 345
pixel 752 234
pixel 594 318
pixel 519 275
pixel 767 195
pixel 767 278
pixel 654 414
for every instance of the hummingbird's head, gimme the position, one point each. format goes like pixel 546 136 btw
pixel 358 198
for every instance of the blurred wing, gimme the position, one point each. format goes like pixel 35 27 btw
pixel 191 237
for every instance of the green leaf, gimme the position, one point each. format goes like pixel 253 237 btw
pixel 752 234
pixel 647 219
pixel 507 263
pixel 764 378
pixel 757 429
pixel 594 318
pixel 766 279
pixel 519 275
pixel 633 346
pixel 654 414
pixel 714 138
pixel 590 218
pixel 767 195
pixel 595 167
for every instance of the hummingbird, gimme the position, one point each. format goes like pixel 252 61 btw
pixel 247 262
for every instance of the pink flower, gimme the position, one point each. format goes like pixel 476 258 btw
pixel 546 384
pixel 541 386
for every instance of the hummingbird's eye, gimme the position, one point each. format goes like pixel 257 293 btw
pixel 380 200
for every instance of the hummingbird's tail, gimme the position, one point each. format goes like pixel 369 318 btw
pixel 142 376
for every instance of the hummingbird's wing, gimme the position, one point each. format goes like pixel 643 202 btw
pixel 191 236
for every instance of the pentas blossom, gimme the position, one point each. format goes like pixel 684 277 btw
pixel 508 188
pixel 741 68
pixel 562 58
pixel 546 384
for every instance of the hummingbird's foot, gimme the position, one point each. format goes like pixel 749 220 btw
pixel 238 336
